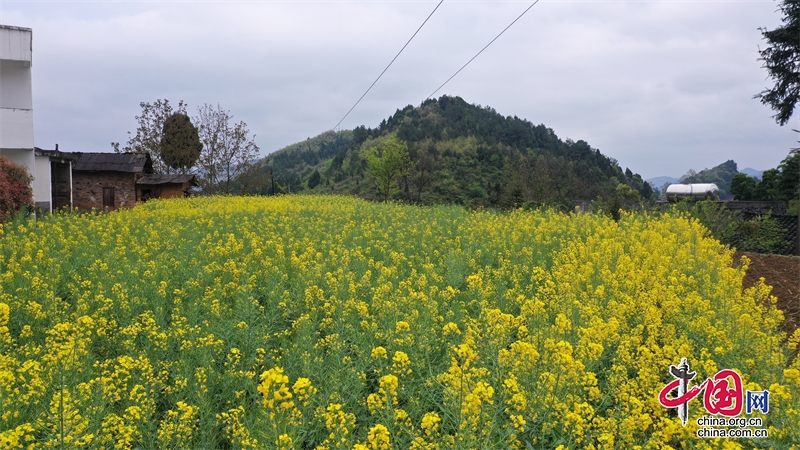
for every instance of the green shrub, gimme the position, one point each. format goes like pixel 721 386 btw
pixel 760 235
pixel 15 188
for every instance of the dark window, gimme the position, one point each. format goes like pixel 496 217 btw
pixel 108 197
pixel 60 184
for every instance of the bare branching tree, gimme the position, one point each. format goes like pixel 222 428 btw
pixel 228 149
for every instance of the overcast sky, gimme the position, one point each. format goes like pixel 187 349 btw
pixel 662 86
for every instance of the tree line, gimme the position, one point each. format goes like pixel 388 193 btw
pixel 209 145
pixel 778 184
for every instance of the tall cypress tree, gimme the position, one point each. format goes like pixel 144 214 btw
pixel 180 142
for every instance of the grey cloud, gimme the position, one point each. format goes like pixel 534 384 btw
pixel 660 86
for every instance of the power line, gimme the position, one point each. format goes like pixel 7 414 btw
pixel 390 64
pixel 484 48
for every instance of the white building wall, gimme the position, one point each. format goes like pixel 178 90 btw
pixel 42 189
pixel 16 43
pixel 16 129
pixel 16 108
pixel 15 85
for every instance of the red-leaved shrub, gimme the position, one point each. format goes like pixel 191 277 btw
pixel 15 188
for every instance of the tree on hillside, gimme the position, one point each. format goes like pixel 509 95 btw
pixel 422 174
pixel 180 143
pixel 789 180
pixel 688 175
pixel 149 134
pixel 15 188
pixel 228 149
pixel 778 184
pixel 314 180
pixel 782 61
pixel 767 189
pixel 388 165
pixel 647 190
pixel 743 187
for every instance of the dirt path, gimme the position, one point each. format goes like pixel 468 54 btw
pixel 783 274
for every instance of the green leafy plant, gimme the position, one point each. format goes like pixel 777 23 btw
pixel 15 188
pixel 388 167
pixel 761 234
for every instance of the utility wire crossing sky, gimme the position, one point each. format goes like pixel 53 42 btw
pixel 390 64
pixel 484 48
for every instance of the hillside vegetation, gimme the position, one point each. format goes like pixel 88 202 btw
pixel 459 153
pixel 720 175
pixel 292 165
pixel 777 184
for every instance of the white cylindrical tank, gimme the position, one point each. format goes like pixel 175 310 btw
pixel 698 191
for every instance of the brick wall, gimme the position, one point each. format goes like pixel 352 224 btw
pixel 166 190
pixel 172 191
pixel 87 189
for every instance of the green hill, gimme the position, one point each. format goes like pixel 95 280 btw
pixel 293 165
pixel 460 153
pixel 720 175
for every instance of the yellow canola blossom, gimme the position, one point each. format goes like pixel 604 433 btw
pixel 334 323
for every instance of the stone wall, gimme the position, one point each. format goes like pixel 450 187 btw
pixel 756 207
pixel 87 189
pixel 789 223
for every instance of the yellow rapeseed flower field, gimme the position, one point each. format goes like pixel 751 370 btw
pixel 302 322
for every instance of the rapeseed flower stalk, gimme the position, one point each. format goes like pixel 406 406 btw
pixel 236 431
pixel 340 425
pixel 274 388
pixel 303 389
pixel 378 438
pixel 178 428
pixel 401 363
pixel 18 437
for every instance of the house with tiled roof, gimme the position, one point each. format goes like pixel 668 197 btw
pixel 108 180
pixel 115 180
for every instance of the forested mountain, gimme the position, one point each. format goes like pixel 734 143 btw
pixel 458 153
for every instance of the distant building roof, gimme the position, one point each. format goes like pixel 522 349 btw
pixel 167 179
pixel 16 44
pixel 114 162
pixel 55 154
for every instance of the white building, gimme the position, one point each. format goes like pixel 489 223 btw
pixel 16 119
pixel 16 98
